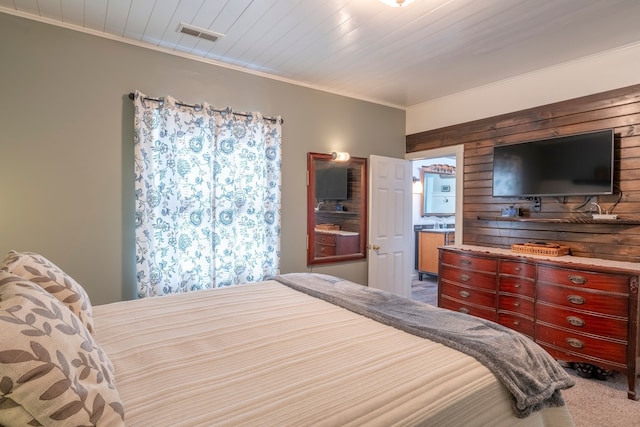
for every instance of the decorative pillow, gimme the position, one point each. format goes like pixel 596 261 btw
pixel 38 269
pixel 52 371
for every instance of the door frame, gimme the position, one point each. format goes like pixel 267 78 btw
pixel 458 151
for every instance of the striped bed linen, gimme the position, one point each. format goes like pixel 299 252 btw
pixel 266 355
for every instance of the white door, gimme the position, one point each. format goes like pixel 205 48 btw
pixel 390 230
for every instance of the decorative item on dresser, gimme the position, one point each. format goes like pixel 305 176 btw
pixel 582 310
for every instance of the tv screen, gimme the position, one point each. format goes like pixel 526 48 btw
pixel 580 164
pixel 331 183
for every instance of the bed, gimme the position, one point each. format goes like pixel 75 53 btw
pixel 295 350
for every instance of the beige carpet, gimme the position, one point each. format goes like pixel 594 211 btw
pixel 595 403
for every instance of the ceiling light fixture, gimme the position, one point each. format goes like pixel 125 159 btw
pixel 397 3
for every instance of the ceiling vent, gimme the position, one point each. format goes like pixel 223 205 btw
pixel 201 33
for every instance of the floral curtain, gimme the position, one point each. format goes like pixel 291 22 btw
pixel 207 189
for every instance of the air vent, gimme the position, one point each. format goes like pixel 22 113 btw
pixel 200 33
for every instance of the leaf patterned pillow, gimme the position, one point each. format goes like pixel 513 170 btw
pixel 52 371
pixel 38 269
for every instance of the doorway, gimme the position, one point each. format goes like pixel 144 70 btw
pixel 446 228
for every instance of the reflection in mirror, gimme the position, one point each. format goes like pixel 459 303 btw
pixel 336 209
pixel 439 190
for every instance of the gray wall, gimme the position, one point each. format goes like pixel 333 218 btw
pixel 66 151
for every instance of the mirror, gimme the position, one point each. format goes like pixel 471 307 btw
pixel 336 209
pixel 438 190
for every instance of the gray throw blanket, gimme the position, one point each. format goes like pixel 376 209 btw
pixel 531 375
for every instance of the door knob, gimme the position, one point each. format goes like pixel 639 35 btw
pixel 374 247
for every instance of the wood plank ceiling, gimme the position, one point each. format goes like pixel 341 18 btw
pixel 362 48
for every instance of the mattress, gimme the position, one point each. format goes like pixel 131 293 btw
pixel 265 354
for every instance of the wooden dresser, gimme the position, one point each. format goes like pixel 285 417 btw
pixel 329 243
pixel 578 309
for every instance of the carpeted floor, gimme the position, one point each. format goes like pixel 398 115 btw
pixel 595 403
pixel 592 403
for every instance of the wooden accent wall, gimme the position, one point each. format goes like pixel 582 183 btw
pixel 561 220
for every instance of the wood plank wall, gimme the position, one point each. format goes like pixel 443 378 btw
pixel 618 109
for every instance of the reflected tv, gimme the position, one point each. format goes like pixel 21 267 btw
pixel 332 183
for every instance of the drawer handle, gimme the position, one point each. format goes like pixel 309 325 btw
pixel 516 322
pixel 516 304
pixel 516 285
pixel 575 321
pixel 464 294
pixel 576 299
pixel 575 343
pixel 577 280
pixel 465 261
pixel 517 269
pixel 464 310
pixel 465 277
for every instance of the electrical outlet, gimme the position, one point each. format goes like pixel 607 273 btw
pixel 536 204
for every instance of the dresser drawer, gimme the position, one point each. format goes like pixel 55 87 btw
pixel 469 261
pixel 566 356
pixel 462 307
pixel 325 250
pixel 517 285
pixel 521 324
pixel 325 239
pixel 466 277
pixel 470 295
pixel 581 344
pixel 582 299
pixel 518 268
pixel 518 305
pixel 583 322
pixel 599 281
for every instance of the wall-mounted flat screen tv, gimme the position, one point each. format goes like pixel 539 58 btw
pixel 579 164
pixel 332 183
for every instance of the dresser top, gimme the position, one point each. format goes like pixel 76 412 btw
pixel 566 259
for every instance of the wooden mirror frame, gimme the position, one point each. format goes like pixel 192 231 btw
pixel 326 246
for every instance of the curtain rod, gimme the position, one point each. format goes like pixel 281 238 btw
pixel 182 104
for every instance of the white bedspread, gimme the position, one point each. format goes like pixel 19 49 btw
pixel 267 355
